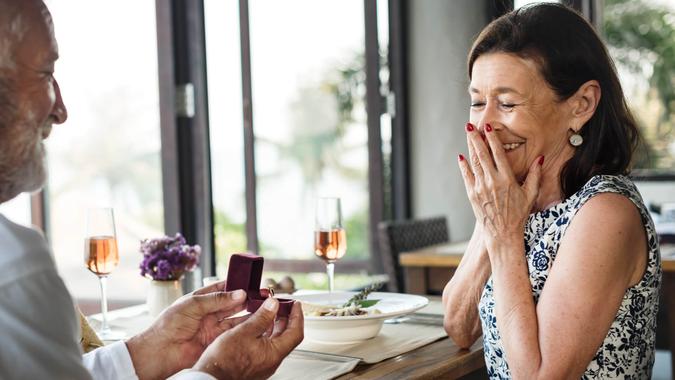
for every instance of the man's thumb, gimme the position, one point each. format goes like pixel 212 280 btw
pixel 262 319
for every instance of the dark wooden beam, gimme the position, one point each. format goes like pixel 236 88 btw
pixel 249 136
pixel 186 166
pixel 373 111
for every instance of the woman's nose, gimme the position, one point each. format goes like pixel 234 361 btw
pixel 488 116
pixel 59 111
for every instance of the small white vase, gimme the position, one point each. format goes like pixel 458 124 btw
pixel 161 294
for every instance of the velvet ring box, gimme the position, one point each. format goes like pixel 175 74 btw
pixel 245 272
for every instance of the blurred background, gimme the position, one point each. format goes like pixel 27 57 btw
pixel 289 100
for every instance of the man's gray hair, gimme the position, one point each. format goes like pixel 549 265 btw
pixel 12 29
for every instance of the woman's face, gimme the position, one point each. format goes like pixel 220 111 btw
pixel 509 93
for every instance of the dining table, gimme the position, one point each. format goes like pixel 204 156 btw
pixel 427 270
pixel 432 358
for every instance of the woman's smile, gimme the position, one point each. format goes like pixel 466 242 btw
pixel 508 147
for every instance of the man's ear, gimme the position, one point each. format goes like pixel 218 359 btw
pixel 584 103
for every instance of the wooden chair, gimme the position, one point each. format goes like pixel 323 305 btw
pixel 402 236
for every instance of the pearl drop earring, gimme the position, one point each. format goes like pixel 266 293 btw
pixel 576 140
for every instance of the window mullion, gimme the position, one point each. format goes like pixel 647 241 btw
pixel 249 137
pixel 373 111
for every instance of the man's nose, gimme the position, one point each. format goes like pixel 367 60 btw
pixel 59 111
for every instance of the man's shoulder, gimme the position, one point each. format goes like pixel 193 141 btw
pixel 22 250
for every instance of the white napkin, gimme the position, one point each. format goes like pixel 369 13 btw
pixel 305 366
pixel 393 340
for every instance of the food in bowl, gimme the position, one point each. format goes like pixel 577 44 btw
pixel 351 329
pixel 316 310
pixel 357 305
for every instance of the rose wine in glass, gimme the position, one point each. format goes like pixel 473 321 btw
pixel 101 256
pixel 330 238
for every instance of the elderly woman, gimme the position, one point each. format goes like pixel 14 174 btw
pixel 562 273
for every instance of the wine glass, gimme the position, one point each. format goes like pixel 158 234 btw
pixel 101 257
pixel 330 239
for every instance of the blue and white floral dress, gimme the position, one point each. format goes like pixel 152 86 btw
pixel 628 349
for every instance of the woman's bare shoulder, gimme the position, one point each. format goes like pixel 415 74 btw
pixel 608 231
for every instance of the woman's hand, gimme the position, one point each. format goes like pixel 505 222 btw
pixel 501 205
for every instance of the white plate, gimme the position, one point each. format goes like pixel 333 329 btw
pixel 356 328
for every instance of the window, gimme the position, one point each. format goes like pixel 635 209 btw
pixel 309 121
pixel 309 117
pixel 226 129
pixel 108 152
pixel 640 36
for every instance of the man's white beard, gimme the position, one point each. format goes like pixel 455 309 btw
pixel 22 161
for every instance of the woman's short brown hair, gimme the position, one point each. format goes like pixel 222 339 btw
pixel 569 53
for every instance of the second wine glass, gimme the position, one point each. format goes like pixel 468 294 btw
pixel 101 256
pixel 330 238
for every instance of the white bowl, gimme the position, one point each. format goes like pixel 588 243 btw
pixel 356 328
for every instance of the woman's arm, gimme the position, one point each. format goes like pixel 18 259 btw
pixel 463 291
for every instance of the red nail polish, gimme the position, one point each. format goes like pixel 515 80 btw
pixel 541 160
pixel 461 157
pixel 488 128
pixel 469 127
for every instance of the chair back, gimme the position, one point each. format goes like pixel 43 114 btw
pixel 402 236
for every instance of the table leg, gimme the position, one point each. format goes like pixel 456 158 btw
pixel 416 280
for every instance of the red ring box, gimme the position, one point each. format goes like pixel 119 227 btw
pixel 245 272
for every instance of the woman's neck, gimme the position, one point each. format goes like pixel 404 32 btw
pixel 550 191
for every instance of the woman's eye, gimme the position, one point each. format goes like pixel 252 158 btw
pixel 477 104
pixel 508 106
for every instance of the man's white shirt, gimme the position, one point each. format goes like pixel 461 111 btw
pixel 38 323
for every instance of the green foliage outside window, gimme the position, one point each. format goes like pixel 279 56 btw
pixel 641 39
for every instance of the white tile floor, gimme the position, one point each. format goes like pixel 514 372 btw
pixel 662 370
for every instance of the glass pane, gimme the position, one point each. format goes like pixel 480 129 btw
pixel 108 152
pixel 18 210
pixel 310 122
pixel 227 140
pixel 640 39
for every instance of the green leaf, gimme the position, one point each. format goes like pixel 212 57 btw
pixel 367 303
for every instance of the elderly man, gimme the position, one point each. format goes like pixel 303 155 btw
pixel 38 323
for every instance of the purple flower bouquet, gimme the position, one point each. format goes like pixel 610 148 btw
pixel 168 258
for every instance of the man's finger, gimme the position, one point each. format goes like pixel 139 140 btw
pixel 219 286
pixel 279 326
pixel 294 332
pixel 261 320
pixel 215 302
pixel 531 184
pixel 229 323
pixel 226 313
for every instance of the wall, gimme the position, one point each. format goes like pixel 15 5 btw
pixel 440 35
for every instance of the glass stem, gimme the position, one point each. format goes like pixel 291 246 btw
pixel 330 270
pixel 104 303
